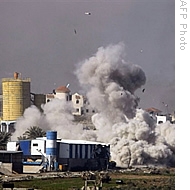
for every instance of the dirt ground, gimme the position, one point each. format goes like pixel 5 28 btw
pixel 139 179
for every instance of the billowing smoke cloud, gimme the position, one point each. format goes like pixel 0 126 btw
pixel 110 83
pixel 57 115
pixel 31 117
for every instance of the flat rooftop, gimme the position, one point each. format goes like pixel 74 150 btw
pixel 10 152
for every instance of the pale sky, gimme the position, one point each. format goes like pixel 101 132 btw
pixel 38 39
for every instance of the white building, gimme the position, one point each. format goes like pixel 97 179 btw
pixel 61 92
pixel 80 104
pixel 160 119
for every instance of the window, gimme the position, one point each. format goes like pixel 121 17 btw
pixel 77 101
pixel 35 144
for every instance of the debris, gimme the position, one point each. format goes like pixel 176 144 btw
pixel 87 13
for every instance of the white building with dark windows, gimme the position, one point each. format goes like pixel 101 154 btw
pixel 61 92
pixel 79 103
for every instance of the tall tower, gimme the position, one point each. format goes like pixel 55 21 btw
pixel 51 148
pixel 16 98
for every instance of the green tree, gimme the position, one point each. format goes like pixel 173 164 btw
pixel 4 138
pixel 23 137
pixel 34 132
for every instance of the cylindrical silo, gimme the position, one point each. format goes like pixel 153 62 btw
pixel 16 97
pixel 51 148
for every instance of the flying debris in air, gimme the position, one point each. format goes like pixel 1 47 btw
pixel 143 89
pixel 87 13
pixel 75 31
pixel 166 105
pixel 141 50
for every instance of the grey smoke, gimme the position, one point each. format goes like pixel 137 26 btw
pixel 110 83
pixel 57 115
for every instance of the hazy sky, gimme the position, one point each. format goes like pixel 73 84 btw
pixel 38 39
